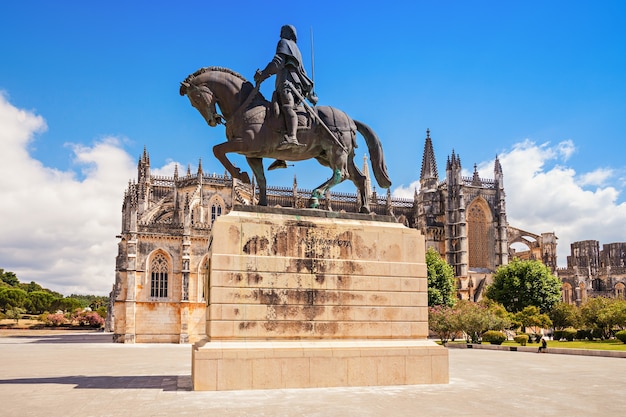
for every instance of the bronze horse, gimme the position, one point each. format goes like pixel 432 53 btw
pixel 254 130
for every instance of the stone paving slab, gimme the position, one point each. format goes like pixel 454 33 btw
pixel 84 375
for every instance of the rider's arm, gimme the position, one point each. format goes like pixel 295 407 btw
pixel 272 68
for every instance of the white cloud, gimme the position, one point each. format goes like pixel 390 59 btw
pixel 597 177
pixel 59 230
pixel 406 192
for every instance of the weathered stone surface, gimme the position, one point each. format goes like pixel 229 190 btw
pixel 290 276
pixel 299 301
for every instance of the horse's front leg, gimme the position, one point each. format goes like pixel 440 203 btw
pixel 257 168
pixel 220 152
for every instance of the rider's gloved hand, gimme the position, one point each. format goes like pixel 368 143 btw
pixel 312 97
pixel 259 76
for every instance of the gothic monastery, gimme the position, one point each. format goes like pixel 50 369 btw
pixel 166 221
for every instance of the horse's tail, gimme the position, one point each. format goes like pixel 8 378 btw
pixel 376 154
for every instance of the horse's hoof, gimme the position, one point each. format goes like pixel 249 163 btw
pixel 364 210
pixel 245 178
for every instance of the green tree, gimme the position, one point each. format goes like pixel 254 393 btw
pixel 31 287
pixel 441 288
pixel 530 316
pixel 41 301
pixel 13 297
pixel 67 304
pixel 92 301
pixel 565 315
pixel 525 283
pixel 15 313
pixel 604 315
pixel 473 320
pixel 9 278
pixel 497 316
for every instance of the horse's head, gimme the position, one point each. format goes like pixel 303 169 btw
pixel 202 98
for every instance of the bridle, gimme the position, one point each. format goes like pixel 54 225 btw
pixel 206 95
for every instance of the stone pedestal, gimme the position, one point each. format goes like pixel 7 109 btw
pixel 307 298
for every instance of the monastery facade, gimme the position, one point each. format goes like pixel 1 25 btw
pixel 158 295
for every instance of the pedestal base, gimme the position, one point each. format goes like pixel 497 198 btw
pixel 220 366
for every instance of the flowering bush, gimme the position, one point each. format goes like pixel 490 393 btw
pixel 55 319
pixel 90 318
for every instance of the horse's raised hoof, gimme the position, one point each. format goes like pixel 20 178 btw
pixel 364 210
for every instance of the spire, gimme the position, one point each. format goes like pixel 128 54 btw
pixel 145 157
pixel 454 161
pixel 429 165
pixel 200 167
pixel 476 177
pixel 189 170
pixel 176 172
pixel 366 172
pixel 497 167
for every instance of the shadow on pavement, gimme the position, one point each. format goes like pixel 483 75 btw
pixel 162 382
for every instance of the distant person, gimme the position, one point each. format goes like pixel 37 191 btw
pixel 544 345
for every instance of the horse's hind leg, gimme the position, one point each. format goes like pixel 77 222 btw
pixel 220 152
pixel 357 177
pixel 257 168
pixel 337 178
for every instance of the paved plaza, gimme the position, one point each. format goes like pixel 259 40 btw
pixel 84 374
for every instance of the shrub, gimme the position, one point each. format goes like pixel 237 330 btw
pixel 583 334
pixel 522 339
pixel 91 319
pixel 621 335
pixel 56 319
pixel 597 334
pixel 569 334
pixel 558 335
pixel 494 337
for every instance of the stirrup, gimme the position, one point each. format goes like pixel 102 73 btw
pixel 277 164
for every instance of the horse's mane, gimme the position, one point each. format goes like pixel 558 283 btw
pixel 219 69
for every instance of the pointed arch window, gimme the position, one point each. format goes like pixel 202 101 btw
pixel 567 294
pixel 159 276
pixel 620 290
pixel 478 223
pixel 216 210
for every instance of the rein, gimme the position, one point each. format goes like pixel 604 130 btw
pixel 245 104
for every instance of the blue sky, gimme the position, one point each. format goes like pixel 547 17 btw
pixel 86 85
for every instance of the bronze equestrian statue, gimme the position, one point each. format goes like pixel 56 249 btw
pixel 253 130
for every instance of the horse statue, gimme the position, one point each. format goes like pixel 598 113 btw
pixel 253 130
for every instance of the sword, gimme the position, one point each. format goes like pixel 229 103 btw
pixel 312 61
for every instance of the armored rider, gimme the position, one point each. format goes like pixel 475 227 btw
pixel 290 73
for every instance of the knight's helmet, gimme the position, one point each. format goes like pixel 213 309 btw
pixel 288 32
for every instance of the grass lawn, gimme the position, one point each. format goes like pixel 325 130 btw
pixel 612 344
